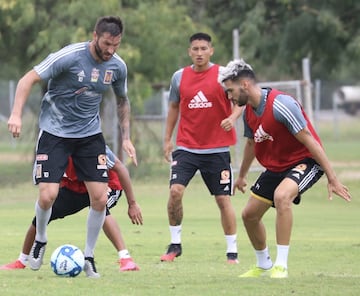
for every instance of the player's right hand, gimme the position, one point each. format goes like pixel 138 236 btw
pixel 168 148
pixel 14 125
pixel 129 148
pixel 339 189
pixel 134 213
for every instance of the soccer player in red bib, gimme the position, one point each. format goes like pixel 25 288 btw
pixel 283 140
pixel 205 132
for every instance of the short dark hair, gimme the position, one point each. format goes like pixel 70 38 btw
pixel 200 36
pixel 109 24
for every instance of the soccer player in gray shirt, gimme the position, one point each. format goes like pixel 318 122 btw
pixel 77 75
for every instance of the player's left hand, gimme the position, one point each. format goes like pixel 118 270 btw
pixel 339 189
pixel 227 124
pixel 130 150
pixel 240 184
pixel 134 213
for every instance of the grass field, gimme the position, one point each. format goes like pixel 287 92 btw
pixel 324 255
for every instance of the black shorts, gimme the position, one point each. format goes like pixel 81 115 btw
pixel 215 170
pixel 69 202
pixel 88 155
pixel 306 173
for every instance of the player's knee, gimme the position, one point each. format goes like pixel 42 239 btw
pixel 176 192
pixel 282 200
pixel 47 196
pixel 246 216
pixel 98 202
pixel 223 202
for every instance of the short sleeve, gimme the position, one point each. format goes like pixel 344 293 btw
pixel 110 158
pixel 288 111
pixel 174 93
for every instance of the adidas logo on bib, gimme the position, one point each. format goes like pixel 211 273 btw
pixel 199 102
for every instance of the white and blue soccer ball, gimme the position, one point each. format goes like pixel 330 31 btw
pixel 67 260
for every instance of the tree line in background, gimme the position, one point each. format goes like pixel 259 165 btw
pixel 275 35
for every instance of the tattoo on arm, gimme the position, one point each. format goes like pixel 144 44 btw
pixel 124 117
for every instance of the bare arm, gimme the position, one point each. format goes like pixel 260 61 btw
pixel 22 93
pixel 124 122
pixel 134 210
pixel 171 120
pixel 318 153
pixel 248 157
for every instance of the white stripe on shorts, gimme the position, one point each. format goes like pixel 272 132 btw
pixel 309 177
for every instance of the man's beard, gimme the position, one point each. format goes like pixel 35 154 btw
pixel 242 101
pixel 99 52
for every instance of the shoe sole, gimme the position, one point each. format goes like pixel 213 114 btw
pixel 89 272
pixel 93 276
pixel 169 257
pixel 35 264
pixel 279 277
pixel 11 268
pixel 263 274
pixel 281 274
pixel 130 269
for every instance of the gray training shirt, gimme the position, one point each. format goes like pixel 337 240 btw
pixel 76 83
pixel 285 109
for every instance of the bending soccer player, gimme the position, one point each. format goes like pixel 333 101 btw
pixel 74 197
pixel 281 137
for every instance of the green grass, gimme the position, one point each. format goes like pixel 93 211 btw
pixel 324 254
pixel 323 259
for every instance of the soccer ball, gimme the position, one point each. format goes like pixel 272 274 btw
pixel 67 260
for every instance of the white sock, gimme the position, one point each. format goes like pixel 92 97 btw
pixel 282 255
pixel 42 219
pixel 263 258
pixel 124 254
pixel 23 258
pixel 231 243
pixel 95 222
pixel 175 232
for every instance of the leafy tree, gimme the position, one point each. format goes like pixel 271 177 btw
pixel 276 34
pixel 31 29
pixel 154 43
pixel 159 31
